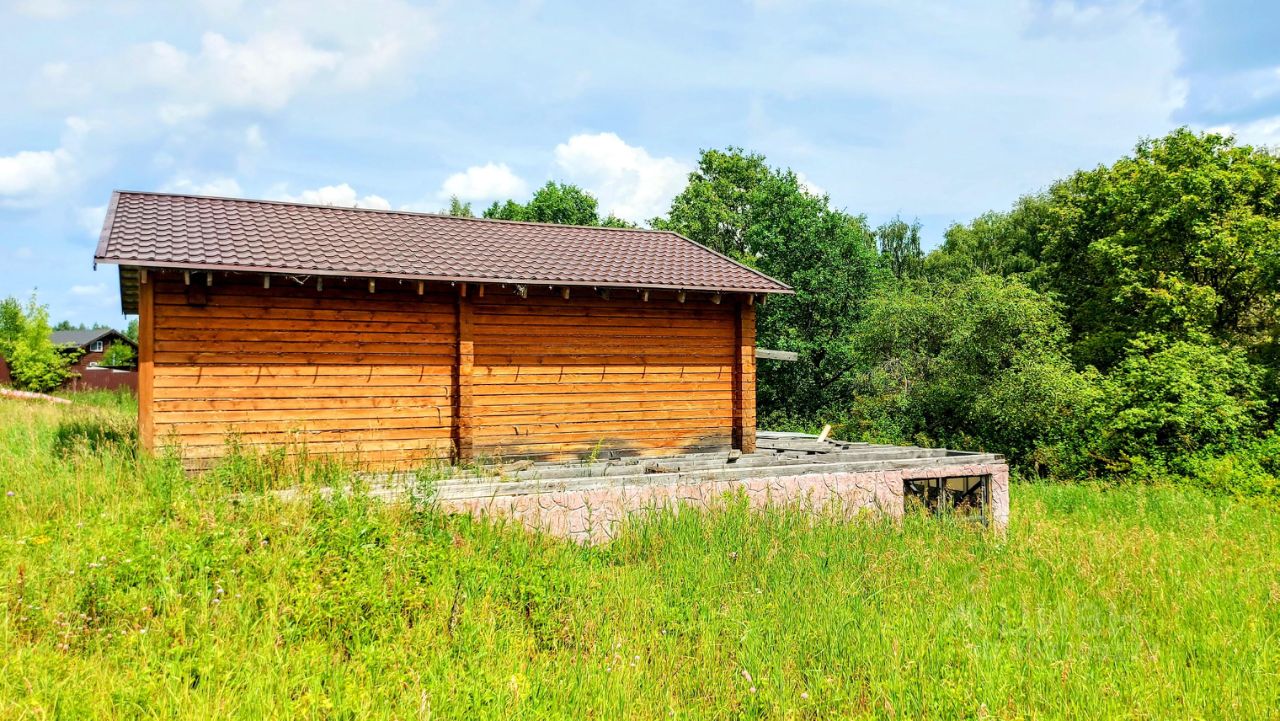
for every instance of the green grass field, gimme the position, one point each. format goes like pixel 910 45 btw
pixel 128 590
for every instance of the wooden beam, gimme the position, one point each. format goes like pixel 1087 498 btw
pixel 480 291
pixel 744 379
pixel 462 290
pixel 422 287
pixel 142 275
pixel 463 369
pixel 186 277
pixel 146 365
pixel 782 355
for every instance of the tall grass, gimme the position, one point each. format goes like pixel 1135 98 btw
pixel 128 589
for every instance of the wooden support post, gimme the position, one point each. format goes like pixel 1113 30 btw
pixel 186 277
pixel 462 290
pixel 266 281
pixel 744 379
pixel 146 365
pixel 422 287
pixel 463 367
pixel 480 291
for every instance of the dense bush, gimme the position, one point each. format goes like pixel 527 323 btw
pixel 977 364
pixel 1252 470
pixel 1170 403
pixel 35 364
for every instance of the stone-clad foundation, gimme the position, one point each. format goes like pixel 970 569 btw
pixel 593 515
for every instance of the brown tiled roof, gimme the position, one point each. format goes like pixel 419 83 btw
pixel 184 231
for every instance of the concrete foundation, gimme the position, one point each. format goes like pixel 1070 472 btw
pixel 589 501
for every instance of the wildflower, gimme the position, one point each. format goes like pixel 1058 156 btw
pixel 10 494
pixel 747 675
pixel 753 689
pixel 804 695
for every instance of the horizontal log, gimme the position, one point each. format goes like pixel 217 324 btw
pixel 419 391
pixel 296 371
pixel 210 358
pixel 196 402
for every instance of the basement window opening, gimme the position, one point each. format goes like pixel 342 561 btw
pixel 966 496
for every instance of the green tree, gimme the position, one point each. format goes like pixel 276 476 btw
pixel 118 355
pixel 458 208
pixel 736 204
pixel 35 364
pixel 1181 238
pixel 1008 243
pixel 979 363
pixel 556 203
pixel 131 330
pixel 899 243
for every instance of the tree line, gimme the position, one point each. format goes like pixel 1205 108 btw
pixel 1120 323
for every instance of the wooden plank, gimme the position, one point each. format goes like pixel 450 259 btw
pixel 186 373
pixel 212 358
pixel 464 368
pixel 319 392
pixel 744 392
pixel 146 364
pixel 196 403
pixel 782 355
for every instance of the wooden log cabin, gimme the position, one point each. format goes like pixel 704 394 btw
pixel 393 338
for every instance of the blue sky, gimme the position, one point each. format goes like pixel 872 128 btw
pixel 932 110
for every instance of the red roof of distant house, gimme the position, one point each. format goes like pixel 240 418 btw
pixel 195 232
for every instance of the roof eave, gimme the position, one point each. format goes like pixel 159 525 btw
pixel 782 288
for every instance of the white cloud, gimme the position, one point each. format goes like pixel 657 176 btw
pixel 91 219
pixel 30 175
pixel 221 187
pixel 258 56
pixel 339 195
pixel 491 181
pixel 809 186
pixel 629 182
pixel 1265 131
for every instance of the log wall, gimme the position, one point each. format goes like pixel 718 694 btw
pixel 393 378
pixel 559 378
pixel 340 370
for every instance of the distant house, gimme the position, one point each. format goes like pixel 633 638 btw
pixel 89 369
